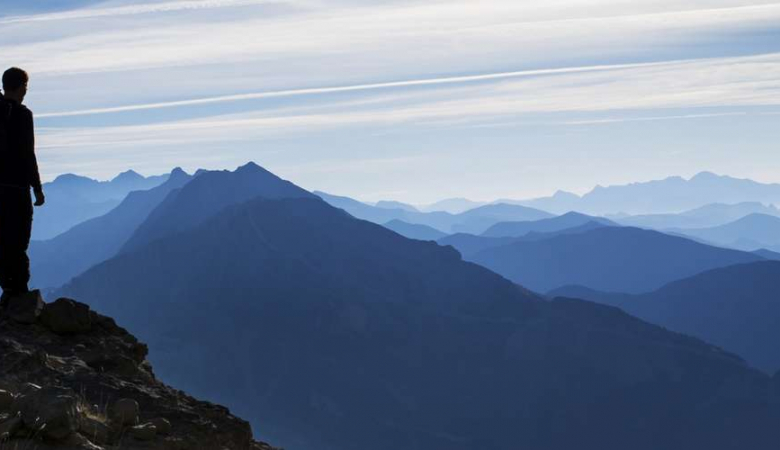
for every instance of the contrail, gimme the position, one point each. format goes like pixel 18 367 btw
pixel 353 88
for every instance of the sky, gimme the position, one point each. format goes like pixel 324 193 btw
pixel 403 99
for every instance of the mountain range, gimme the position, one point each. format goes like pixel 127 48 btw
pixel 473 221
pixel 735 307
pixel 559 223
pixel 711 215
pixel 72 199
pixel 57 260
pixel 670 195
pixel 752 232
pixel 612 259
pixel 331 332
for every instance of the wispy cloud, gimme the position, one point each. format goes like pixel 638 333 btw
pixel 208 79
pixel 709 83
pixel 144 8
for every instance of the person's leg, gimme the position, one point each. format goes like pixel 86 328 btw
pixel 5 250
pixel 15 232
pixel 22 233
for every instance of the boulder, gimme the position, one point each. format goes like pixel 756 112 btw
pixel 6 400
pixel 24 308
pixel 144 432
pixel 52 411
pixel 125 412
pixel 163 425
pixel 66 316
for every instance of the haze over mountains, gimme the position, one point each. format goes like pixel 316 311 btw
pixel 473 221
pixel 57 260
pixel 72 199
pixel 671 195
pixel 331 332
pixel 613 259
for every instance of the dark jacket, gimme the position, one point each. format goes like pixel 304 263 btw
pixel 18 165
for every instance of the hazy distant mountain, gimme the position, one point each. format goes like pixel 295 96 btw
pixel 396 205
pixel 736 307
pixel 613 259
pixel 57 260
pixel 559 203
pixel 670 195
pixel 706 216
pixel 452 205
pixel 414 231
pixel 72 199
pixel 470 244
pixel 478 220
pixel 363 210
pixel 568 220
pixel 473 221
pixel 752 232
pixel 335 333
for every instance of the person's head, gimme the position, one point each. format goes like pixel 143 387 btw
pixel 15 83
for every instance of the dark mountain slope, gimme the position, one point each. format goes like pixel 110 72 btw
pixel 335 333
pixel 613 259
pixel 736 307
pixel 57 260
pixel 568 220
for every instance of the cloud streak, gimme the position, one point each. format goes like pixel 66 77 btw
pixel 340 89
pixel 137 9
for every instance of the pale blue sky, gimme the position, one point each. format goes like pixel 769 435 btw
pixel 405 99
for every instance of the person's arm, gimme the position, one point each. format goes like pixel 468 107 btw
pixel 33 175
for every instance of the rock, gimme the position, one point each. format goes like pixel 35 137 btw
pixel 144 432
pixel 9 426
pixel 66 316
pixel 79 442
pixel 52 411
pixel 96 430
pixel 125 412
pixel 163 425
pixel 6 400
pixel 24 308
pixel 73 442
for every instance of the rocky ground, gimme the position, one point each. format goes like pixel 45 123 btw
pixel 72 379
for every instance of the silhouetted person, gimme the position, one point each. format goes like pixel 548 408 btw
pixel 18 173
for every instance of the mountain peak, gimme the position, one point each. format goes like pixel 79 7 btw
pixel 128 175
pixel 177 173
pixel 705 176
pixel 250 167
pixel 67 178
pixel 565 195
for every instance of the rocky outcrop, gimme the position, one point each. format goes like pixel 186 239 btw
pixel 72 379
